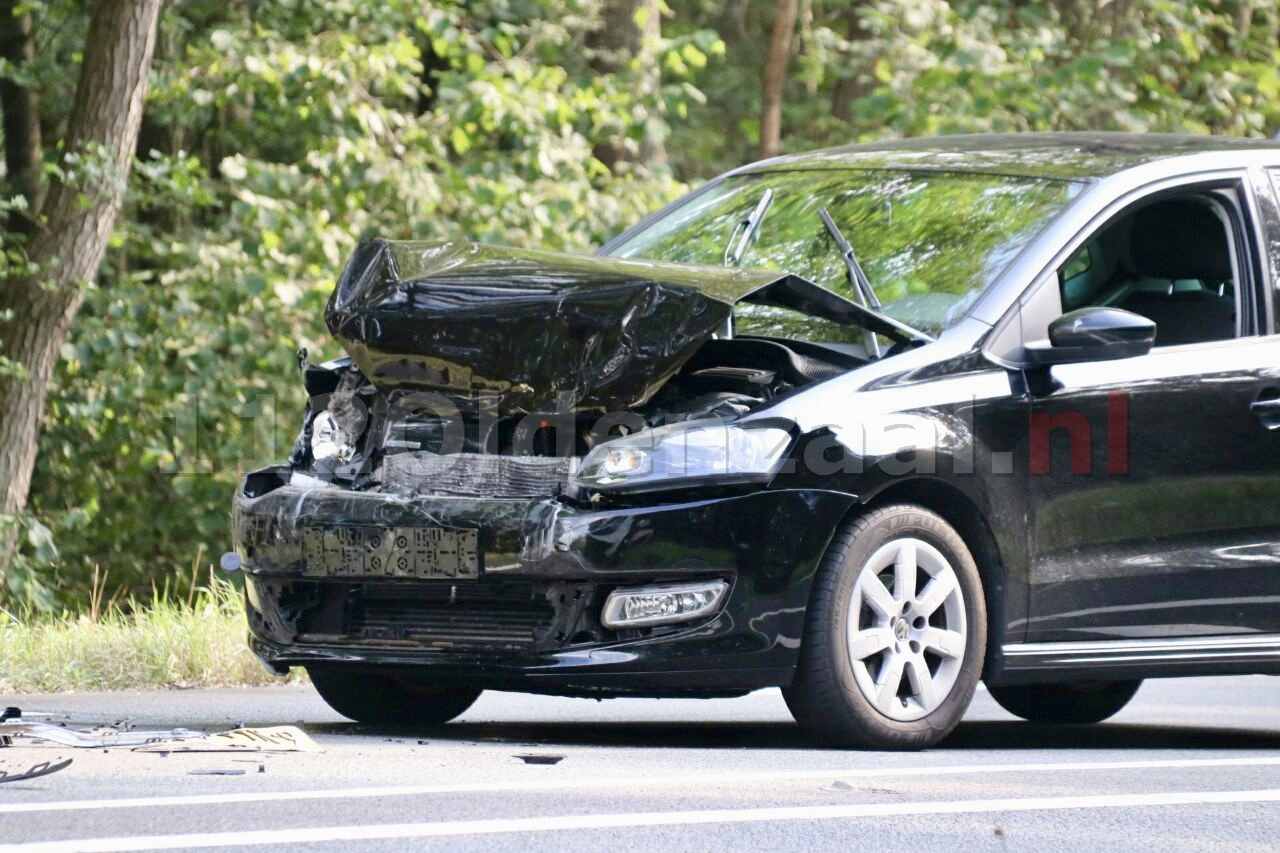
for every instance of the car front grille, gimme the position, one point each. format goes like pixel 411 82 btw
pixel 506 615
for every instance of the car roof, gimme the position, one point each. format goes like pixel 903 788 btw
pixel 1060 156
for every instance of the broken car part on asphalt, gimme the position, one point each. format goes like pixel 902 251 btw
pixel 91 739
pixel 270 739
pixel 35 771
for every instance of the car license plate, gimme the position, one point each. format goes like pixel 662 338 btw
pixel 395 552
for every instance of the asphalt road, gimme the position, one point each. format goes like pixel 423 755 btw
pixel 1190 764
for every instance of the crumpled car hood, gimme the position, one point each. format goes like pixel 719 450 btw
pixel 542 331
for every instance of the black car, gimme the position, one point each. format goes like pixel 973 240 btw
pixel 869 424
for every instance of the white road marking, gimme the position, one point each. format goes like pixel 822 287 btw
pixel 383 832
pixel 670 781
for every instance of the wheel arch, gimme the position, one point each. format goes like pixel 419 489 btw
pixel 962 513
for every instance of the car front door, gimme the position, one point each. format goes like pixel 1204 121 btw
pixel 1154 489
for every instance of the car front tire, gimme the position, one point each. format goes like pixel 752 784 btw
pixel 895 633
pixel 385 699
pixel 1088 702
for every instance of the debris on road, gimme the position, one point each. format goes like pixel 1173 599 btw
pixel 34 772
pixel 271 739
pixel 226 771
pixel 94 738
pixel 530 758
pixel 9 713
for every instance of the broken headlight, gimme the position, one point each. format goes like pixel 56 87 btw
pixel 329 441
pixel 693 453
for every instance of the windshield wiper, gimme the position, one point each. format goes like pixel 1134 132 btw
pixel 857 277
pixel 862 286
pixel 747 228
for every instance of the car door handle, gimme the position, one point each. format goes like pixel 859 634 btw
pixel 1267 408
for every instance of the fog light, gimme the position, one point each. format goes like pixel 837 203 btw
pixel 661 605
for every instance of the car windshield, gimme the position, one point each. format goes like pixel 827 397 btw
pixel 930 242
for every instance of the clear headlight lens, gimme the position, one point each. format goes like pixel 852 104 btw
pixel 686 454
pixel 329 440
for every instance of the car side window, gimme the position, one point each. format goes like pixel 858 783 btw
pixel 1169 260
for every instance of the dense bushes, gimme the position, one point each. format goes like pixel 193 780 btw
pixel 284 139
pixel 278 134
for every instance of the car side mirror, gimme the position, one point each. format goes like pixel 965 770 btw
pixel 1093 334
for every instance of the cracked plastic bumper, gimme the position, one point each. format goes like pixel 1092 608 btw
pixel 563 559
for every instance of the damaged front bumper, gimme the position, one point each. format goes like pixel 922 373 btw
pixel 507 593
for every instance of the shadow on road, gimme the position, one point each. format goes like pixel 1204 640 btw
pixel 1016 735
pixel 702 735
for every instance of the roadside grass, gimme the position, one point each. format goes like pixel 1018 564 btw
pixel 196 641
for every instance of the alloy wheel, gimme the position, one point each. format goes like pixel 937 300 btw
pixel 907 632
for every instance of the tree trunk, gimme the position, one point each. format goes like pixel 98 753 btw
pixel 775 78
pixel 1244 19
pixel 105 117
pixel 855 83
pixel 626 43
pixel 23 148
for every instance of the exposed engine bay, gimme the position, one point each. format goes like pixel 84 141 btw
pixel 414 442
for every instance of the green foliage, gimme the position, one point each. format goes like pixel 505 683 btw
pixel 1143 65
pixel 279 134
pixel 281 140
pixel 12 263
pixel 27 581
pixel 1146 65
pixel 923 67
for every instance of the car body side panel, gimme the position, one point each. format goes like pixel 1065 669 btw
pixel 1266 191
pixel 1155 495
pixel 1157 511
pixel 929 432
